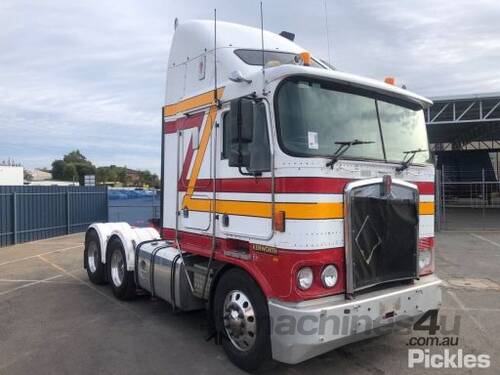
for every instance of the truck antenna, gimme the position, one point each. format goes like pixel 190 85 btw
pixel 262 45
pixel 216 99
pixel 327 34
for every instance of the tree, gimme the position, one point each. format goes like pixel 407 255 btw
pixel 70 173
pixel 148 178
pixel 58 169
pixel 73 166
pixel 123 176
pixel 111 174
pixel 126 177
pixel 76 157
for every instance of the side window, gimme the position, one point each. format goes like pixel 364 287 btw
pixel 260 156
pixel 226 139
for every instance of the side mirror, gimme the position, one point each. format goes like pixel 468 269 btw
pixel 242 120
pixel 241 131
pixel 248 136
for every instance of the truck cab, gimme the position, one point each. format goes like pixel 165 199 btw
pixel 294 197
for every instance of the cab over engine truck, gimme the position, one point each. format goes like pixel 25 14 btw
pixel 294 197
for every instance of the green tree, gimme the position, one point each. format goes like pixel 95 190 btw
pixel 114 174
pixel 73 166
pixel 70 173
pixel 148 178
pixel 75 156
pixel 58 169
pixel 100 175
pixel 122 175
pixel 107 174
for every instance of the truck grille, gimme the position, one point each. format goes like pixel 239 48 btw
pixel 381 232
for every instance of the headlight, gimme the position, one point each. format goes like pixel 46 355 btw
pixel 329 276
pixel 424 259
pixel 305 278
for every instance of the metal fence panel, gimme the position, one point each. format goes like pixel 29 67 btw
pixel 29 213
pixel 469 201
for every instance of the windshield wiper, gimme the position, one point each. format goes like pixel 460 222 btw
pixel 408 158
pixel 343 147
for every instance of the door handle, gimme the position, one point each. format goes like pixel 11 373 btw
pixel 225 220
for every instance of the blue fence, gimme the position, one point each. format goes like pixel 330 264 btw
pixel 29 213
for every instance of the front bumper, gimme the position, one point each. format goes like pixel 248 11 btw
pixel 303 330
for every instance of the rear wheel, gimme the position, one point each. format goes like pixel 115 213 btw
pixel 242 318
pixel 122 281
pixel 92 254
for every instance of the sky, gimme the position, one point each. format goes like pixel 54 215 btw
pixel 90 75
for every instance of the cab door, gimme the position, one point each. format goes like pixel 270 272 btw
pixel 244 199
pixel 195 171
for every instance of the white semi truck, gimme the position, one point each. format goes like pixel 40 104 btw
pixel 293 195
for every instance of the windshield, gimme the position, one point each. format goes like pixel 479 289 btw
pixel 314 115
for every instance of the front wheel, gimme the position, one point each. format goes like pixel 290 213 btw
pixel 122 281
pixel 242 318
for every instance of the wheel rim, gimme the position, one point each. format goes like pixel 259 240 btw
pixel 117 268
pixel 92 256
pixel 239 320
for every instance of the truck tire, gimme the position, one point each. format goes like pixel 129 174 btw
pixel 122 281
pixel 242 319
pixel 96 270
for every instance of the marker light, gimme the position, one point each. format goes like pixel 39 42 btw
pixel 306 58
pixel 279 221
pixel 329 276
pixel 390 80
pixel 305 278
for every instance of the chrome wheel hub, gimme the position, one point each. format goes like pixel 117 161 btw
pixel 239 320
pixel 117 268
pixel 92 256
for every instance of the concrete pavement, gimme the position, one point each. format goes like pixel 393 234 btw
pixel 52 320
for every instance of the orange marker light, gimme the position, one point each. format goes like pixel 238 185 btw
pixel 279 221
pixel 390 80
pixel 306 58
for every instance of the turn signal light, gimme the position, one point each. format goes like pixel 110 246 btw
pixel 279 221
pixel 426 256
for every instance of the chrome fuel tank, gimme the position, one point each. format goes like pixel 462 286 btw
pixel 160 271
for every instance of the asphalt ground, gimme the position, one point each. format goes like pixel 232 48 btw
pixel 53 321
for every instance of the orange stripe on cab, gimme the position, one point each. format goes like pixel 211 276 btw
pixel 189 104
pixel 299 211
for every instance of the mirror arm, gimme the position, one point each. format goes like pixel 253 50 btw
pixel 254 174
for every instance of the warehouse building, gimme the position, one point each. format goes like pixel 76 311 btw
pixel 464 136
pixel 464 133
pixel 11 175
